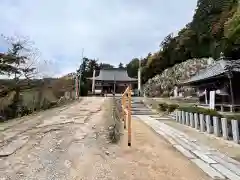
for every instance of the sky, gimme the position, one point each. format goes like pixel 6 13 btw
pixel 112 31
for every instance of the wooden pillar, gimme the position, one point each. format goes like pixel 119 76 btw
pixel 232 95
pixel 206 96
pixel 122 101
pixel 129 116
pixel 76 87
pixel 93 81
pixel 123 109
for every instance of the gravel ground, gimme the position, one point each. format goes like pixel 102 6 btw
pixel 54 139
pixel 72 144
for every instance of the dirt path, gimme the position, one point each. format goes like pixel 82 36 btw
pixel 44 147
pixel 73 145
pixel 152 158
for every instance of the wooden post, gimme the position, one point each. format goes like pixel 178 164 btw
pixel 125 114
pixel 126 111
pixel 129 116
pixel 122 101
pixel 76 87
pixel 93 81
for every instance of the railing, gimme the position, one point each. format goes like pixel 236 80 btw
pixel 227 128
pixel 126 112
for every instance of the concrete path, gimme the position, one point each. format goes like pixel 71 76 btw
pixel 211 161
pixel 214 163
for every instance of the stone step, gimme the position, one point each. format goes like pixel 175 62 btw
pixel 142 113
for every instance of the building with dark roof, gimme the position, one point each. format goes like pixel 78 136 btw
pixel 113 80
pixel 223 77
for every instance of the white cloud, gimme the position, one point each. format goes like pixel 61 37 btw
pixel 113 31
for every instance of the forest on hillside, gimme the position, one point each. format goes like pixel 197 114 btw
pixel 215 28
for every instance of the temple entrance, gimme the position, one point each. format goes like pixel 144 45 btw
pixel 120 89
pixel 109 88
pixel 108 77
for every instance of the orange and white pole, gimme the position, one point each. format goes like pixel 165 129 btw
pixel 129 117
pixel 126 112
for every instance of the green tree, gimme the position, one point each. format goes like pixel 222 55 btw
pixel 6 64
pixel 232 34
pixel 120 66
pixel 105 66
pixel 86 70
pixel 132 68
pixel 214 29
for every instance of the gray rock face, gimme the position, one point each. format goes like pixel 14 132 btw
pixel 164 83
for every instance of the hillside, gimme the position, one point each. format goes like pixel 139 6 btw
pixel 163 84
pixel 215 28
pixel 32 95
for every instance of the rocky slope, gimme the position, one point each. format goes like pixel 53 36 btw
pixel 163 84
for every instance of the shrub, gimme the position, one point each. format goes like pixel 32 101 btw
pixel 163 107
pixel 194 109
pixel 211 112
pixel 172 107
pixel 230 117
pixel 24 111
pixel 83 90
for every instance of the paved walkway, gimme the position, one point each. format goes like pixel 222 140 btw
pixel 194 146
pixel 211 161
pixel 226 147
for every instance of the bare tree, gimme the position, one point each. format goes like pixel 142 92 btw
pixel 20 64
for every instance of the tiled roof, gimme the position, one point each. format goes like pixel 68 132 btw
pixel 215 69
pixel 114 75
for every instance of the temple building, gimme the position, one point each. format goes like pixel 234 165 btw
pixel 112 80
pixel 221 81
